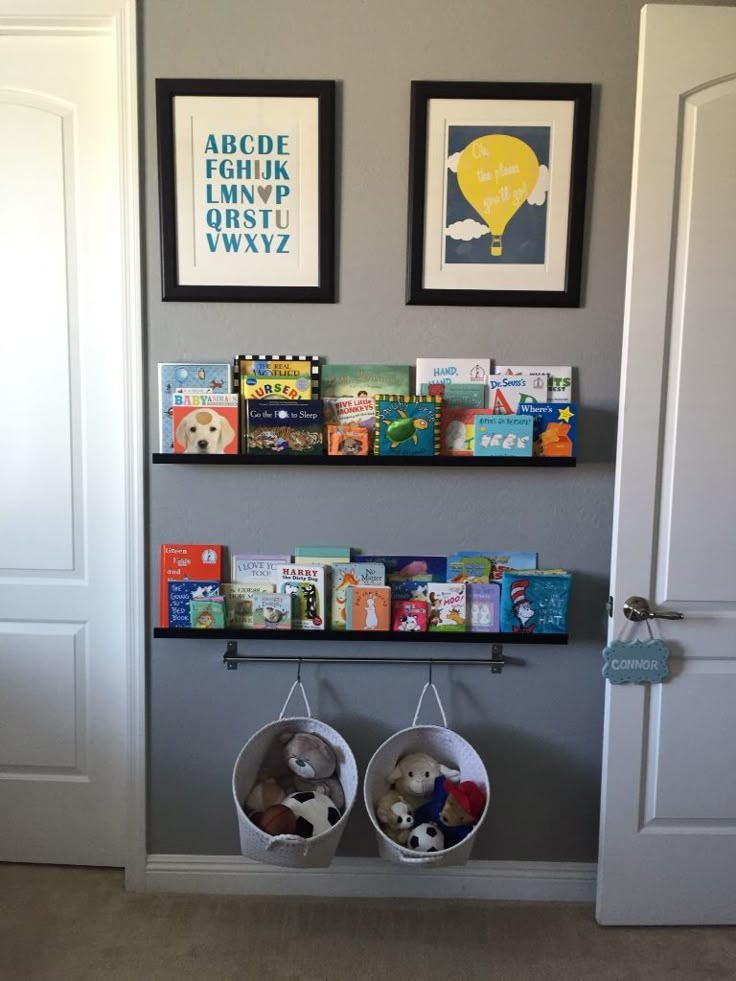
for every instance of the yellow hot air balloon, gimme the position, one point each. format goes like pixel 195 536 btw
pixel 496 175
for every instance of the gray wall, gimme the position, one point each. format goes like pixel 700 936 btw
pixel 538 725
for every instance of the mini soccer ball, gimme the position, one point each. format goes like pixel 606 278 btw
pixel 426 838
pixel 315 813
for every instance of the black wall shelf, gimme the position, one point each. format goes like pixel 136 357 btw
pixel 346 636
pixel 288 460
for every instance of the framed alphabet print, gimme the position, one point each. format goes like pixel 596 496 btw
pixel 246 181
pixel 497 193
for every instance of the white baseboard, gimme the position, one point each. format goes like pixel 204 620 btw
pixel 372 878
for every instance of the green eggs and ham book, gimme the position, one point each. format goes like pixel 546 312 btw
pixel 535 602
pixel 407 425
pixel 364 380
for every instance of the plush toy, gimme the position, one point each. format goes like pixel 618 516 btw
pixel 395 816
pixel 455 808
pixel 264 794
pixel 414 777
pixel 276 820
pixel 426 838
pixel 315 812
pixel 313 763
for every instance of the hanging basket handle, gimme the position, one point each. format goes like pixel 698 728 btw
pixel 297 684
pixel 430 684
pixel 279 840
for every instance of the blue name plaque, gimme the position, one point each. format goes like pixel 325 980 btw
pixel 636 662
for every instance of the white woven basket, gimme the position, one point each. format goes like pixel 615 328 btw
pixel 446 747
pixel 291 851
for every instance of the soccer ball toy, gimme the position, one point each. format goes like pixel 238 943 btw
pixel 426 838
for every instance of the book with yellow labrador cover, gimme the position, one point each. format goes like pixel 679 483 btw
pixel 205 423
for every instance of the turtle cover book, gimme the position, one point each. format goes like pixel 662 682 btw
pixel 407 425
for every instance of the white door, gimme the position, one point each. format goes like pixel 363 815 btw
pixel 668 819
pixel 65 620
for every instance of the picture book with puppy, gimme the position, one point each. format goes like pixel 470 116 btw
pixel 306 584
pixel 205 423
pixel 345 574
pixel 535 602
pixel 185 562
pixel 272 611
pixel 348 441
pixel 282 427
pixel 177 375
pixel 368 608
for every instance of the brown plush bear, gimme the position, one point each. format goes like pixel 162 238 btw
pixel 313 763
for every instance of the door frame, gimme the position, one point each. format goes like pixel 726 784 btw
pixel 117 18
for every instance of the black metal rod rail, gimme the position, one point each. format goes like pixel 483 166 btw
pixel 495 662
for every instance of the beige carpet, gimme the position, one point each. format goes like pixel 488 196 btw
pixel 61 924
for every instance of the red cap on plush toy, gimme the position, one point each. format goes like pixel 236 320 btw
pixel 469 796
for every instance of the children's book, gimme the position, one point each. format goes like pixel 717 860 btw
pixel 535 602
pixel 408 589
pixel 368 608
pixel 272 611
pixel 505 392
pixel 345 574
pixel 407 425
pixel 349 440
pixel 239 601
pixel 483 606
pixel 364 380
pixel 207 614
pixel 503 436
pixel 284 427
pixel 449 371
pixel 409 615
pixel 410 566
pixel 205 423
pixel 555 427
pixel 174 375
pixel 501 561
pixel 282 377
pixel 181 592
pixel 559 380
pixel 351 411
pixel 306 584
pixel 257 568
pixel 330 553
pixel 178 563
pixel 446 607
pixel 468 568
pixel 457 396
pixel 458 431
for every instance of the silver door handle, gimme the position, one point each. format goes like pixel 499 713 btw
pixel 636 608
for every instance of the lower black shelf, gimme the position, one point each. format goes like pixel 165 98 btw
pixel 384 636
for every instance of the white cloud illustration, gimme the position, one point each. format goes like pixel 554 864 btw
pixel 539 194
pixel 452 161
pixel 466 230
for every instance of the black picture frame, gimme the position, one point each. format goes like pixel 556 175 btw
pixel 447 114
pixel 293 117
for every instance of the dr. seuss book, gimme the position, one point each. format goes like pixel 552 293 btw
pixel 351 411
pixel 306 584
pixel 449 371
pixel 174 375
pixel 503 436
pixel 446 606
pixel 407 425
pixel 205 423
pixel 348 440
pixel 177 563
pixel 501 561
pixel 364 380
pixel 409 615
pixel 181 593
pixel 368 608
pixel 505 392
pixel 535 602
pixel 483 606
pixel 555 427
pixel 257 568
pixel 272 611
pixel 283 427
pixel 239 601
pixel 410 566
pixel 282 377
pixel 457 396
pixel 207 614
pixel 458 431
pixel 559 380
pixel 346 574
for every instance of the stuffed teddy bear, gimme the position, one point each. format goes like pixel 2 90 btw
pixel 455 808
pixel 414 777
pixel 395 816
pixel 313 762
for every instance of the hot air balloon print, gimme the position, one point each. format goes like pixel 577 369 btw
pixel 496 173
